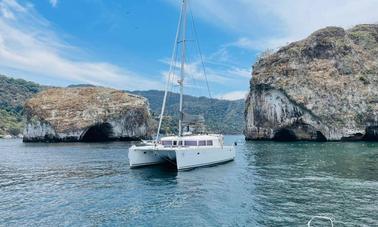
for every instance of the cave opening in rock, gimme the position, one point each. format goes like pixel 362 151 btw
pixel 371 133
pixel 353 137
pixel 320 137
pixel 285 135
pixel 98 133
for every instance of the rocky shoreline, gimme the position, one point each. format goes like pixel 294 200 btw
pixel 11 136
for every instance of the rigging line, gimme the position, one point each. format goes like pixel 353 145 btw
pixel 197 71
pixel 197 79
pixel 172 88
pixel 199 48
pixel 193 83
pixel 174 53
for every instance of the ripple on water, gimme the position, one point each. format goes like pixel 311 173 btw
pixel 269 184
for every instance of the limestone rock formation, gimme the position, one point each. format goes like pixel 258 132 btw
pixel 87 114
pixel 324 87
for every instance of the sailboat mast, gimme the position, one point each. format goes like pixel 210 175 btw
pixel 171 69
pixel 183 60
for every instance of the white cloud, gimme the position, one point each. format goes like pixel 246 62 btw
pixel 263 44
pixel 300 18
pixel 29 45
pixel 237 15
pixel 240 72
pixel 194 71
pixel 273 23
pixel 54 3
pixel 7 7
pixel 225 76
pixel 235 95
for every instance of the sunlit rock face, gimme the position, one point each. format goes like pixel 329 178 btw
pixel 88 114
pixel 322 88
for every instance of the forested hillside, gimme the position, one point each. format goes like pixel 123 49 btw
pixel 221 115
pixel 13 93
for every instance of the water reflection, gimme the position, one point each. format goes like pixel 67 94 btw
pixel 269 184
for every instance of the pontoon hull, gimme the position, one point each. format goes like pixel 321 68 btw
pixel 198 157
pixel 183 158
pixel 149 156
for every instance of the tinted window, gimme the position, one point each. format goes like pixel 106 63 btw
pixel 166 143
pixel 180 143
pixel 209 143
pixel 174 143
pixel 190 143
pixel 202 143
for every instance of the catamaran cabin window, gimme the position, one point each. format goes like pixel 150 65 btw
pixel 202 143
pixel 166 143
pixel 174 143
pixel 209 143
pixel 180 143
pixel 190 143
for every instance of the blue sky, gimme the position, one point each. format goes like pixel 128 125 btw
pixel 127 44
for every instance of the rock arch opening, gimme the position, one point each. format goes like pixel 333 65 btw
pixel 285 135
pixel 98 133
pixel 320 137
pixel 371 133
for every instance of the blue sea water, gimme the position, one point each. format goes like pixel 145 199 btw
pixel 269 184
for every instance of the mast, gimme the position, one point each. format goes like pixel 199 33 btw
pixel 171 69
pixel 181 30
pixel 183 59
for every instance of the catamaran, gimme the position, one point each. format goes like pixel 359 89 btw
pixel 186 150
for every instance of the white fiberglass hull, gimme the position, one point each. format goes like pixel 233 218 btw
pixel 182 157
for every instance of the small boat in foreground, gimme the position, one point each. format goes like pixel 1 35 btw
pixel 185 150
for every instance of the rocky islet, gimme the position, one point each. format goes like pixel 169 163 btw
pixel 322 88
pixel 88 114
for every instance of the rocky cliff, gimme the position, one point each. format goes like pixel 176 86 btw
pixel 85 114
pixel 324 87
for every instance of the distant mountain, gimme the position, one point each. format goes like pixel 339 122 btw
pixel 221 115
pixel 13 93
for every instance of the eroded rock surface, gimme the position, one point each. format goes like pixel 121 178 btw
pixel 87 114
pixel 322 88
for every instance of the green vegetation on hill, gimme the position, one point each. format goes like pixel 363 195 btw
pixel 10 124
pixel 13 94
pixel 221 115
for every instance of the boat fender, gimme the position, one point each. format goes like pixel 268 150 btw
pixel 235 143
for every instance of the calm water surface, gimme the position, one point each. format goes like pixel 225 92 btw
pixel 269 184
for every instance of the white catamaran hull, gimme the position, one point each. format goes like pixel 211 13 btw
pixel 183 158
